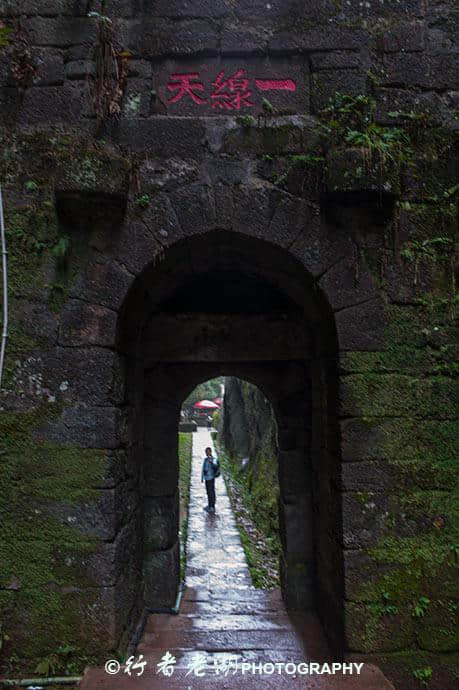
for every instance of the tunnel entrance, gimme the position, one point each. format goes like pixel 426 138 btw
pixel 226 304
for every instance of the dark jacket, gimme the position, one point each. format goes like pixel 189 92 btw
pixel 209 466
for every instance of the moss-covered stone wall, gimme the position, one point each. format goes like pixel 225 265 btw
pixel 248 434
pixel 358 186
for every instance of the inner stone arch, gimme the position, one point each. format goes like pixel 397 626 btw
pixel 225 304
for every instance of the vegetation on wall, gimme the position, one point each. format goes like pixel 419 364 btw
pixel 108 83
pixel 253 485
pixel 40 575
pixel 185 455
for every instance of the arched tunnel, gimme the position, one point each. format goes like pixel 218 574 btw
pixel 222 303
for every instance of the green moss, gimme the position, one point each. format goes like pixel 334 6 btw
pixel 371 394
pixel 65 160
pixel 42 554
pixel 405 394
pixel 185 456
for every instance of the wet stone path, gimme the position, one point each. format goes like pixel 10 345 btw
pixel 224 622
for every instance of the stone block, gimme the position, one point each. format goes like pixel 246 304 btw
pixel 355 170
pixel 184 9
pixel 118 467
pixel 427 71
pixel 194 206
pixel 280 135
pixel 337 59
pixel 114 606
pixel 36 321
pixel 10 103
pixel 79 69
pixel 361 327
pixel 361 440
pixel 86 427
pixel 361 572
pixel 104 284
pixel 50 67
pixel 187 37
pixel 136 247
pixel 344 287
pixel 296 532
pixel 163 137
pixel 327 82
pixel 161 522
pixel 91 189
pixel 55 104
pixel 438 630
pixel 223 170
pixel 405 284
pixel 240 39
pixel 93 375
pixel 87 324
pixel 161 571
pixel 103 517
pixel 390 100
pixel 364 518
pixel 292 216
pixel 122 8
pixel 61 31
pixel 355 10
pixel 106 566
pixel 395 395
pixel 367 633
pixel 403 37
pixel 160 473
pixel 50 8
pixel 443 40
pixel 139 68
pixel 366 476
pixel 297 586
pixel 325 37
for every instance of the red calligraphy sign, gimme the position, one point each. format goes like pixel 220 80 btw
pixel 231 93
pixel 275 84
pixel 186 84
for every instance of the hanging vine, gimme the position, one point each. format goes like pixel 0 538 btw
pixel 107 84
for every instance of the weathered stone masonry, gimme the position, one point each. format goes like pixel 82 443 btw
pixel 344 258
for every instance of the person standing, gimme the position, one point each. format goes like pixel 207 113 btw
pixel 210 470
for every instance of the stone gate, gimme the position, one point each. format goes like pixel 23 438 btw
pixel 255 189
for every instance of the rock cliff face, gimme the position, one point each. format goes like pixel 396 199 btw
pixel 248 432
pixel 247 422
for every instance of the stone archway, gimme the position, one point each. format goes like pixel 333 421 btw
pixel 223 303
pixel 308 267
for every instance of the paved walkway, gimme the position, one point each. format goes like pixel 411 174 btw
pixel 223 617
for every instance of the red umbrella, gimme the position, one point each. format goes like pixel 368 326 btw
pixel 206 405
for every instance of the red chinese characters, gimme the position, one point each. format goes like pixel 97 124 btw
pixel 186 84
pixel 230 93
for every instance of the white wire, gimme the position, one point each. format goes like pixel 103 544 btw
pixel 5 290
